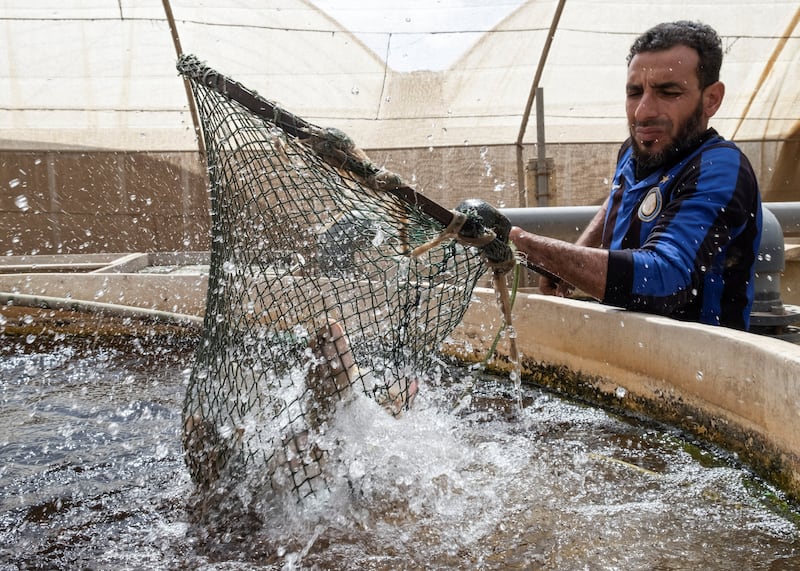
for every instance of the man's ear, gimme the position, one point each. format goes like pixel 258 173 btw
pixel 712 98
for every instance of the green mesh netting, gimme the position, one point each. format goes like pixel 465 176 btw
pixel 313 293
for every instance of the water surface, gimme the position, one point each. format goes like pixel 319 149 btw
pixel 92 477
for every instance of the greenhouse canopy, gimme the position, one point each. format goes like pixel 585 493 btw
pixel 100 74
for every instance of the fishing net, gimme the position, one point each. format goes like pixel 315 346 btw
pixel 328 276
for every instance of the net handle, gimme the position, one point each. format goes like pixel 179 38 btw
pixel 190 66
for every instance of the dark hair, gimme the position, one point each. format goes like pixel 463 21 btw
pixel 700 37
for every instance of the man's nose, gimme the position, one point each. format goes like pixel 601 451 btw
pixel 646 107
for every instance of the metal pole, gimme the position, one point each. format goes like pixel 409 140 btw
pixel 769 68
pixel 523 197
pixel 542 187
pixel 192 107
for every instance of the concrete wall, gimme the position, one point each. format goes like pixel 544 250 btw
pixel 87 202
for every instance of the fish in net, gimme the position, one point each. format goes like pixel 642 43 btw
pixel 328 277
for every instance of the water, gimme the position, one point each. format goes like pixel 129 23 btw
pixel 92 477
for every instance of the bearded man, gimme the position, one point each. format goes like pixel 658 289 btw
pixel 679 233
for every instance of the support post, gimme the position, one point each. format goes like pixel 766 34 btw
pixel 542 190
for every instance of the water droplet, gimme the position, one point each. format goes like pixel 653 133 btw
pixel 14 183
pixel 621 392
pixel 21 202
pixel 699 375
pixel 162 451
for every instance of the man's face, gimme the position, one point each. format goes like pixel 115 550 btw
pixel 664 103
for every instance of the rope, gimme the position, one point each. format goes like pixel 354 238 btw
pixel 453 232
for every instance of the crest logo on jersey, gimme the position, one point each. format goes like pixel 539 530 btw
pixel 651 205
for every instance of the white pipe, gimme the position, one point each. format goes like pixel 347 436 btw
pixel 48 302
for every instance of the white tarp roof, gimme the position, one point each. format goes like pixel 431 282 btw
pixel 392 73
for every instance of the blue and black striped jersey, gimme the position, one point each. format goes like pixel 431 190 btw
pixel 684 240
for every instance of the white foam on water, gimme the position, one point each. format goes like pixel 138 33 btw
pixel 549 486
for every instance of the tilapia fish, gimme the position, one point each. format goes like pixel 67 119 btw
pixel 332 374
pixel 334 371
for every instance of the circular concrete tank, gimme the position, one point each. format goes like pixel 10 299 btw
pixel 737 389
pixel 732 388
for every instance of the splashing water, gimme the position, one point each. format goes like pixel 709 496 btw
pixel 93 476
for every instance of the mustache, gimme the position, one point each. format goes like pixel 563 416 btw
pixel 663 123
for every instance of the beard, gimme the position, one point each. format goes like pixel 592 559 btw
pixel 687 136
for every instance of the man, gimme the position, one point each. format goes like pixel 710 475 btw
pixel 680 231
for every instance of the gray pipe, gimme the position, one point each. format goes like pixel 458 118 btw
pixel 788 214
pixel 561 222
pixel 567 223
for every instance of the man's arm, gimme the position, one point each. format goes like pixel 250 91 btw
pixel 592 236
pixel 582 266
